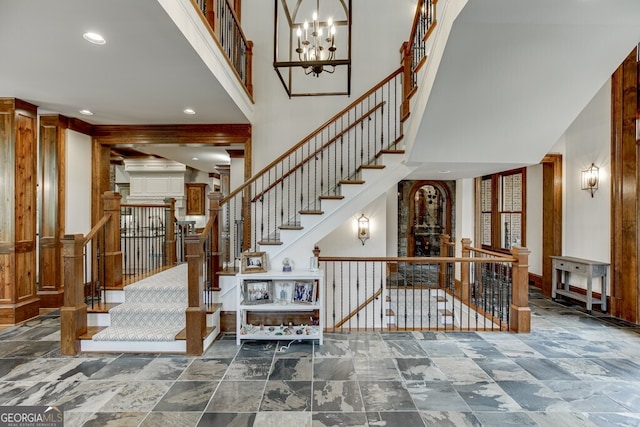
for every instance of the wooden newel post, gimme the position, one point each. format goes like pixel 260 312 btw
pixel 442 274
pixel 214 265
pixel 210 14
pixel 169 231
pixel 113 254
pixel 249 67
pixel 196 313
pixel 465 268
pixel 73 315
pixel 519 312
pixel 407 81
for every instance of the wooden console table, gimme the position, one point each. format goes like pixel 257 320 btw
pixel 564 266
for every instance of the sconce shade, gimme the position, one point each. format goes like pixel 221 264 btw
pixel 363 228
pixel 589 179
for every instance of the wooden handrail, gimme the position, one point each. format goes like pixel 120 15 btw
pixel 95 229
pixel 421 260
pixel 309 137
pixel 485 252
pixel 151 205
pixel 316 152
pixel 360 307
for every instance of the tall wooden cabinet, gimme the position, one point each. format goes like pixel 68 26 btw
pixel 18 155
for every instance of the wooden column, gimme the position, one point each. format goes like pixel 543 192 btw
pixel 113 254
pixel 442 276
pixel 170 232
pixel 196 312
pixel 407 79
pixel 214 212
pixel 551 216
pixel 625 286
pixel 18 155
pixel 465 270
pixel 53 129
pixel 519 312
pixel 73 315
pixel 250 67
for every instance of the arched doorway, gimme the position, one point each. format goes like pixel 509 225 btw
pixel 429 217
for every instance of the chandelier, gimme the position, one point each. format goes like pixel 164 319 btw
pixel 310 41
pixel 312 50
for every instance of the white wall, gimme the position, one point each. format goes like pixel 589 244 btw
pixel 587 220
pixel 343 241
pixel 392 221
pixel 280 122
pixel 78 183
pixel 534 218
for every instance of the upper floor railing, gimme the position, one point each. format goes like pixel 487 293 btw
pixel 224 22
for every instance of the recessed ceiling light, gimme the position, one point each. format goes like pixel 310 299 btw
pixel 94 38
pixel 189 111
pixel 444 171
pixel 86 112
pixel 195 158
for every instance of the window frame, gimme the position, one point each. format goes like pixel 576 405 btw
pixel 497 209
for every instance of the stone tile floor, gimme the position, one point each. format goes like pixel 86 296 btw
pixel 574 369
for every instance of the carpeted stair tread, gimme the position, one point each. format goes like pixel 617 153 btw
pixel 130 333
pixel 154 309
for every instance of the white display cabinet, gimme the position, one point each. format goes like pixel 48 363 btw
pixel 280 292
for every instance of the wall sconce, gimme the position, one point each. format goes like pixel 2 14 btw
pixel 363 228
pixel 590 178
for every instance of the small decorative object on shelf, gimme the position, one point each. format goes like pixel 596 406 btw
pixel 313 263
pixel 287 265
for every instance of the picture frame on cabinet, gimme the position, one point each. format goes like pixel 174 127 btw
pixel 257 292
pixel 282 292
pixel 253 262
pixel 304 292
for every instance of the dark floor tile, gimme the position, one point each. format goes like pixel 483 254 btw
pixel 237 396
pixel 186 396
pixel 534 396
pixel 449 419
pixel 287 396
pixel 336 396
pixel 210 419
pixel 344 419
pixel 334 369
pixel 395 419
pixel 115 419
pixel 299 369
pixel 386 396
pixel 544 369
pixel 505 419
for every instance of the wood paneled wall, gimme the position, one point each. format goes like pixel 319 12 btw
pixel 18 293
pixel 52 140
pixel 625 285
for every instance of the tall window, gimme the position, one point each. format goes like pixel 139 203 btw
pixel 502 209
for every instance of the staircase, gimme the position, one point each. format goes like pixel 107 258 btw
pixel 150 317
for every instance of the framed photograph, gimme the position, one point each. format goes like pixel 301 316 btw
pixel 304 292
pixel 253 262
pixel 283 292
pixel 258 292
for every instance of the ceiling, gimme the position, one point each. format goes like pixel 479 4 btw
pixel 137 77
pixel 512 78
